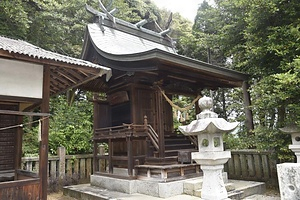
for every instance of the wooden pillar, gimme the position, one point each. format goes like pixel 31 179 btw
pixel 110 155
pixel 102 162
pixel 129 155
pixel 96 167
pixel 160 123
pixel 43 151
pixel 95 125
pixel 248 111
pixel 19 137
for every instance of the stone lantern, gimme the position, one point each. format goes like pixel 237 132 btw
pixel 295 133
pixel 211 156
pixel 289 173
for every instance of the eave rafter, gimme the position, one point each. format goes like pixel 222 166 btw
pixel 63 78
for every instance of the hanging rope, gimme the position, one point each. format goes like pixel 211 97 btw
pixel 22 125
pixel 177 107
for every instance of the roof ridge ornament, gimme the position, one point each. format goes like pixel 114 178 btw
pixel 141 23
pixel 108 13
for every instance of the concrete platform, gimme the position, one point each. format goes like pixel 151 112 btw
pixel 243 190
pixel 88 192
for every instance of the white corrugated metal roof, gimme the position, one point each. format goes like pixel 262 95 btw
pixel 25 48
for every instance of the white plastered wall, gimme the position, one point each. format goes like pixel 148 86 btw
pixel 20 79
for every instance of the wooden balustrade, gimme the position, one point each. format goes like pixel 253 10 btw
pixel 252 165
pixel 244 165
pixel 63 166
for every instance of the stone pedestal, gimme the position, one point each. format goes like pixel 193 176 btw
pixel 288 178
pixel 212 164
pixel 213 186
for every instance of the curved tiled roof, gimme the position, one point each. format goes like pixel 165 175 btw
pixel 117 42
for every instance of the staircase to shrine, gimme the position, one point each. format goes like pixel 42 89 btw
pixel 176 163
pixel 178 149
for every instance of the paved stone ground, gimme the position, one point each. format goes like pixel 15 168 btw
pixel 262 197
pixel 270 195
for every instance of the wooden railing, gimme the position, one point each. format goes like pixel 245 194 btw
pixel 252 165
pixel 244 165
pixel 123 131
pixel 194 140
pixel 63 166
pixel 153 136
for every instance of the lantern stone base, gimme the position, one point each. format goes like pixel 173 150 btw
pixel 211 157
pixel 212 164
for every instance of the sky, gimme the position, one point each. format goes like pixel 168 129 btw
pixel 187 8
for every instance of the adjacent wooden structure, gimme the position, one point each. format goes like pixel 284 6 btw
pixel 29 75
pixel 145 66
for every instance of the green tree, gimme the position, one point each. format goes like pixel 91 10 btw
pixel 260 38
pixel 71 126
pixel 14 21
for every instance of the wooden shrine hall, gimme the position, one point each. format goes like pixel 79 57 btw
pixel 29 75
pixel 135 119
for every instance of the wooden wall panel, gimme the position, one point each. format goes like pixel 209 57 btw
pixel 144 105
pixel 8 138
pixel 26 189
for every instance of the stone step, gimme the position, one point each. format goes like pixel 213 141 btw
pixel 229 187
pixel 236 189
pixel 88 192
pixel 112 188
pixel 261 197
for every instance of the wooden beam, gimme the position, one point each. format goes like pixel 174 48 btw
pixel 75 73
pixel 20 113
pixel 67 77
pixel 58 78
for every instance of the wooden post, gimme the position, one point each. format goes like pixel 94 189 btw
pixel 146 122
pixel 102 165
pixel 129 155
pixel 160 125
pixel 96 167
pixel 19 137
pixel 61 151
pixel 147 139
pixel 248 111
pixel 43 150
pixel 110 155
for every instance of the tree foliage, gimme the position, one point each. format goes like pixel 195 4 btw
pixel 260 38
pixel 14 20
pixel 71 126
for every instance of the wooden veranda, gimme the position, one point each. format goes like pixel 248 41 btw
pixel 29 75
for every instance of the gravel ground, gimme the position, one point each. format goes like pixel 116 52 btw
pixel 58 196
